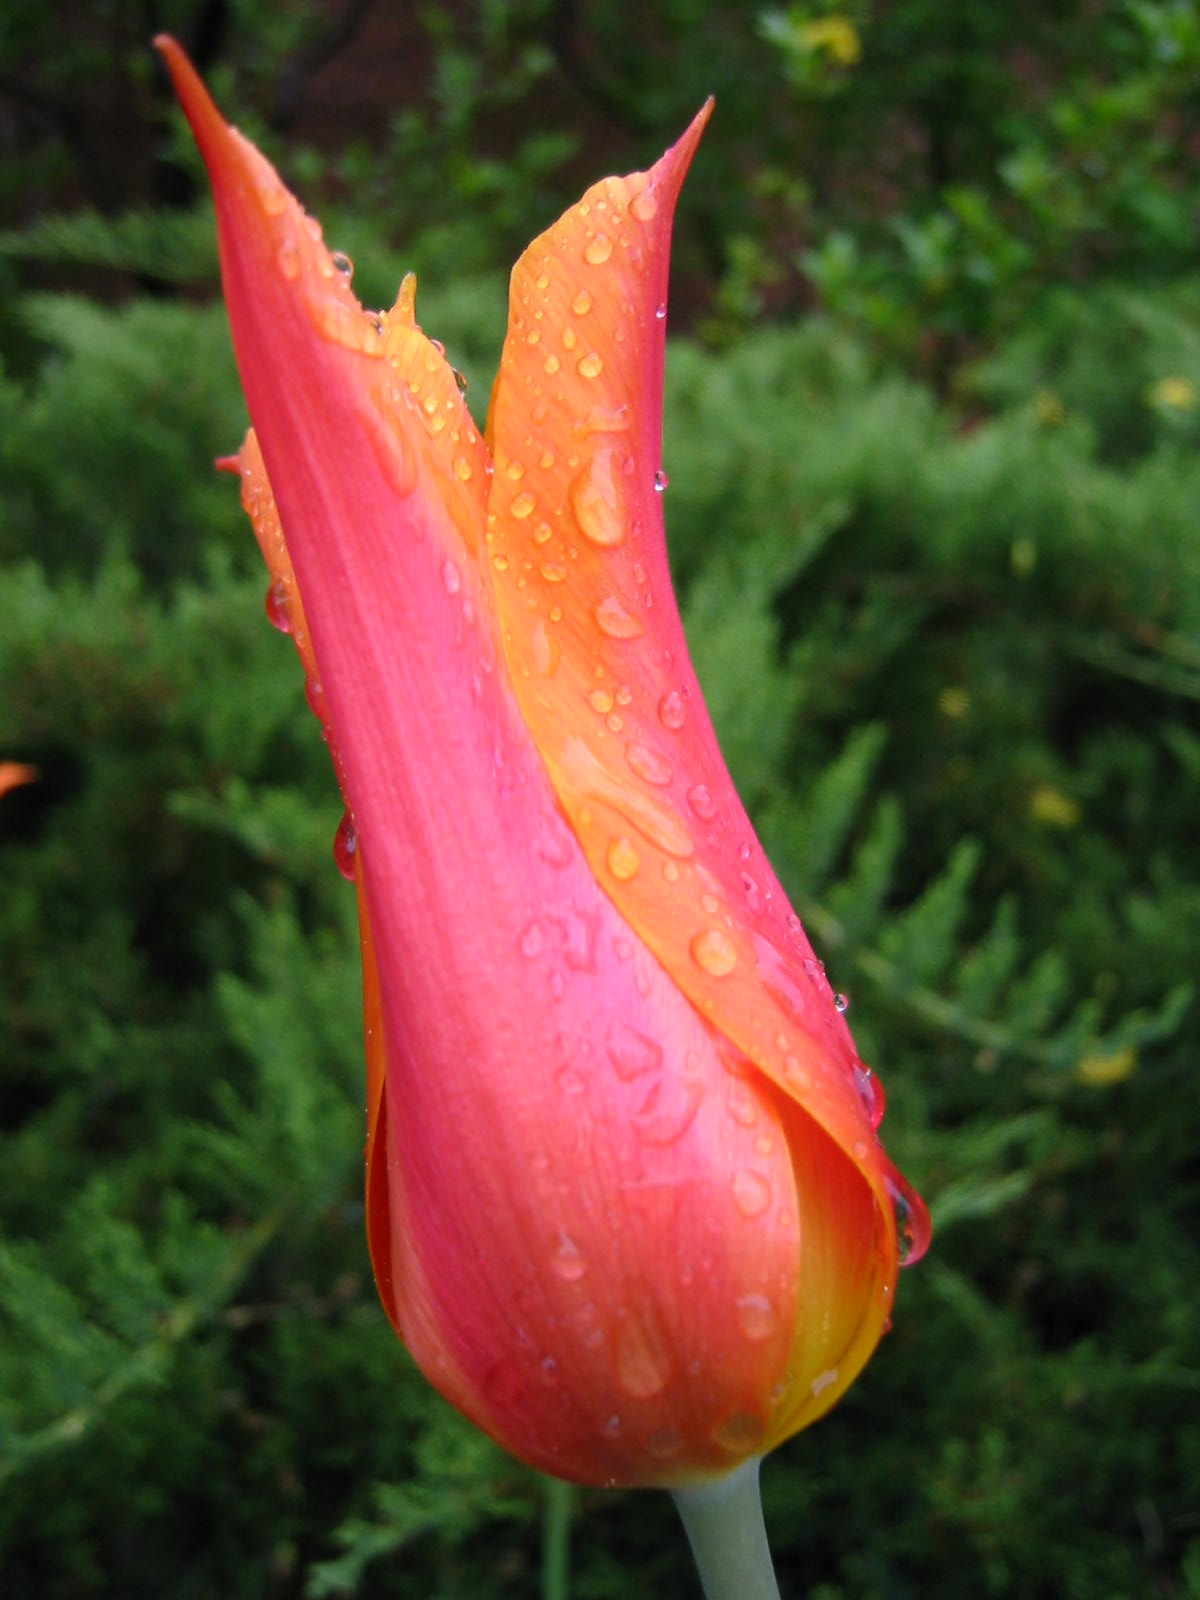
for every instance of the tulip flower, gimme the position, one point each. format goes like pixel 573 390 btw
pixel 626 1203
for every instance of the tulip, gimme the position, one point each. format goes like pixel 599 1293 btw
pixel 626 1203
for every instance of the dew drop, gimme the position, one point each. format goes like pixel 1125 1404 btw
pixel 551 364
pixel 822 1381
pixel 672 710
pixel 751 1192
pixel 631 1052
pixel 597 250
pixel 757 1316
pixel 552 572
pixel 870 1092
pixel 615 621
pixel 702 802
pixel 568 1261
pixel 601 700
pixel 589 366
pixel 462 469
pixel 277 607
pixel 643 1355
pixel 582 303
pixel 343 264
pixel 648 764
pixel 314 694
pixel 345 847
pixel 460 381
pixel 660 311
pixel 643 206
pixel 523 505
pixel 739 1433
pixel 840 1003
pixel 515 471
pixel 714 951
pixel 595 501
pixel 660 482
pixel 623 861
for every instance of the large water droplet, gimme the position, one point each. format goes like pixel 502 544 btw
pixel 343 264
pixel 668 1110
pixel 590 365
pixel 568 1261
pixel 660 482
pixel 523 505
pixel 672 710
pixel 596 501
pixel 597 250
pixel 751 1192
pixel 757 1316
pixel 631 1052
pixel 702 802
pixel 643 206
pixel 715 952
pixel 643 1354
pixel 648 764
pixel 277 607
pixel 912 1220
pixel 615 621
pixel 623 859
pixel 345 847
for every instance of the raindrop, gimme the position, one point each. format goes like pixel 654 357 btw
pixel 568 1262
pixel 623 859
pixel 643 205
pixel 660 310
pixel 714 951
pixel 345 847
pixel 643 1355
pixel 314 694
pixel 822 1381
pixel 631 1052
pixel 757 1316
pixel 596 504
pixel 648 764
pixel 601 700
pixel 702 803
pixel 751 1192
pixel 277 607
pixel 343 264
pixel 597 250
pixel 589 366
pixel 460 380
pixel 615 621
pixel 582 303
pixel 739 1433
pixel 672 710
pixel 523 505
pixel 840 1003
pixel 660 481
pixel 870 1092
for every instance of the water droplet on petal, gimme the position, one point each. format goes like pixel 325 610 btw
pixel 739 1433
pixel 345 847
pixel 289 259
pixel 757 1316
pixel 623 859
pixel 343 264
pixel 601 700
pixel 589 366
pixel 568 1261
pixel 450 577
pixel 714 951
pixel 597 250
pixel 840 1003
pixel 631 1052
pixel 660 481
pixel 277 607
pixel 643 1354
pixel 523 505
pixel 582 303
pixel 822 1381
pixel 751 1192
pixel 870 1092
pixel 660 311
pixel 643 205
pixel 615 621
pixel 672 710
pixel 648 764
pixel 596 502
pixel 702 802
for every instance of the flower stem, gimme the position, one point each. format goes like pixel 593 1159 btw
pixel 557 1504
pixel 724 1524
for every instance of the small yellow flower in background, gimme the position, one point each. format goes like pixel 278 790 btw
pixel 1105 1068
pixel 1173 393
pixel 1048 408
pixel 1052 808
pixel 836 34
pixel 954 702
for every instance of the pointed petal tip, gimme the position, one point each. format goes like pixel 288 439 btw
pixel 205 120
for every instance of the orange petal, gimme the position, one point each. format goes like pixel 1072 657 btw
pixel 15 773
pixel 598 659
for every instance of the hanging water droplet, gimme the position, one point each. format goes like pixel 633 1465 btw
pixel 343 264
pixel 277 607
pixel 870 1092
pixel 460 381
pixel 660 310
pixel 660 482
pixel 345 847
pixel 840 1003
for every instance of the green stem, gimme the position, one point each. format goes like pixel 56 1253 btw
pixel 724 1524
pixel 557 1504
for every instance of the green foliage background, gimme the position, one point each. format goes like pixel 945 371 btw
pixel 932 422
